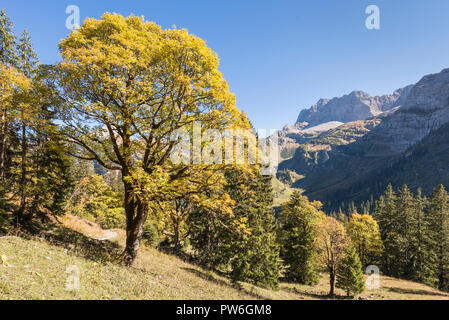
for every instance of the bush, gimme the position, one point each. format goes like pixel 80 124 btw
pixel 113 218
pixel 151 235
pixel 93 199
pixel 6 220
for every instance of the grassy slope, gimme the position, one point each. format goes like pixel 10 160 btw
pixel 281 192
pixel 35 269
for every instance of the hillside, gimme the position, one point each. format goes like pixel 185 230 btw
pixel 423 165
pixel 357 160
pixel 35 268
pixel 315 150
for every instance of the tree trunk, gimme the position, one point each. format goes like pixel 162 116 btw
pixel 136 214
pixel 332 282
pixel 3 133
pixel 21 210
pixel 177 240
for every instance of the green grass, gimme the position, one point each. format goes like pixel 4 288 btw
pixel 281 192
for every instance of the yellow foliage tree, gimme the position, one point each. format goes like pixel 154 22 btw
pixel 333 242
pixel 364 233
pixel 127 85
pixel 201 188
pixel 12 83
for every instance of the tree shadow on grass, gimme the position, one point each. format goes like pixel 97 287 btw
pixel 179 253
pixel 416 292
pixel 74 241
pixel 319 296
pixel 211 278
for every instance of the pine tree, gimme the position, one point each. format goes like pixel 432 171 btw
pixel 257 255
pixel 406 226
pixel 349 274
pixel 254 247
pixel 8 54
pixel 342 217
pixel 390 230
pixel 27 63
pixel 422 259
pixel 8 59
pixel 210 237
pixel 5 218
pixel 49 176
pixel 438 224
pixel 298 235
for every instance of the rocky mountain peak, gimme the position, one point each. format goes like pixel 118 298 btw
pixel 357 105
pixel 425 109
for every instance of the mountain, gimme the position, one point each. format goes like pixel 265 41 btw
pixel 357 105
pixel 329 114
pixel 401 141
pixel 425 109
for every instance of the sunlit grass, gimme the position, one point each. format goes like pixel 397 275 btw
pixel 35 268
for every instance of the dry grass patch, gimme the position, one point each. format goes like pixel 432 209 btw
pixel 35 268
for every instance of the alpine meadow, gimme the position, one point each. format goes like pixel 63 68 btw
pixel 131 169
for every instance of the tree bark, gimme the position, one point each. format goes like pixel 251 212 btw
pixel 21 210
pixel 136 214
pixel 177 238
pixel 332 282
pixel 3 133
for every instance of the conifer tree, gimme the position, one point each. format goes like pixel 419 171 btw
pixel 350 274
pixel 423 258
pixel 438 223
pixel 8 59
pixel 390 230
pixel 8 55
pixel 299 221
pixel 210 236
pixel 254 247
pixel 27 63
pixel 405 222
pixel 243 242
pixel 342 217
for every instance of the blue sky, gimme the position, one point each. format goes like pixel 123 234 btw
pixel 280 56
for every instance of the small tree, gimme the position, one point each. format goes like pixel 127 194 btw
pixel 349 274
pixel 299 220
pixel 333 242
pixel 93 199
pixel 365 236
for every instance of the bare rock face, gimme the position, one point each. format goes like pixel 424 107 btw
pixel 408 115
pixel 329 114
pixel 425 109
pixel 357 105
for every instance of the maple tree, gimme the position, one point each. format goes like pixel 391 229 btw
pixel 127 85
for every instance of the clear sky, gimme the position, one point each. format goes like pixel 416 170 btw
pixel 280 56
